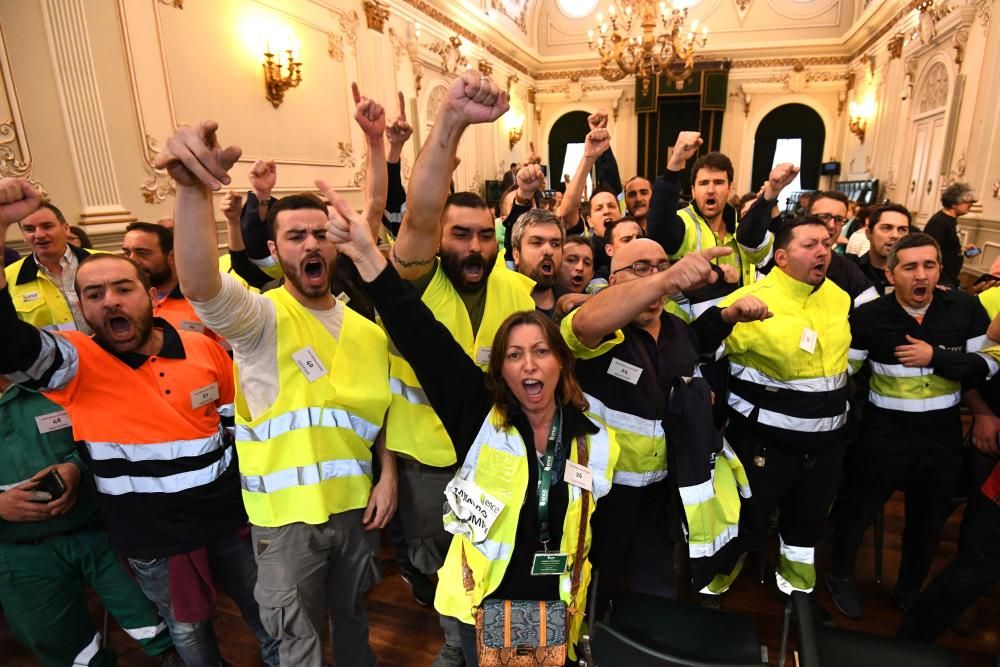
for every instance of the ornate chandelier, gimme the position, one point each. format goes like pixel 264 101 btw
pixel 640 52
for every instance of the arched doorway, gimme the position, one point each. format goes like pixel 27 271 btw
pixel 789 122
pixel 570 128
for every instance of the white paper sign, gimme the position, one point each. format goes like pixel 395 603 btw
pixel 308 362
pixel 205 395
pixel 483 356
pixel 188 325
pixel 473 510
pixel 578 475
pixel 808 340
pixel 53 421
pixel 624 371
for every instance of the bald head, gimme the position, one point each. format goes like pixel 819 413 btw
pixel 638 249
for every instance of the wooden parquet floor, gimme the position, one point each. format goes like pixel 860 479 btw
pixel 404 634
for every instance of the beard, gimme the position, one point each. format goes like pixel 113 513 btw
pixel 107 329
pixel 159 278
pixel 455 267
pixel 294 275
pixel 542 281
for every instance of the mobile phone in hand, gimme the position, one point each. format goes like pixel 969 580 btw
pixel 972 252
pixel 51 483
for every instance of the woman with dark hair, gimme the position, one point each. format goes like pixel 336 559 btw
pixel 79 238
pixel 520 431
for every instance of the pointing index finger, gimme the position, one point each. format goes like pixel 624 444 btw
pixel 718 251
pixel 356 92
pixel 402 105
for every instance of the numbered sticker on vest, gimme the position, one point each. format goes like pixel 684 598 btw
pixel 54 421
pixel 578 475
pixel 308 362
pixel 483 356
pixel 188 325
pixel 808 340
pixel 343 298
pixel 205 395
pixel 624 371
pixel 474 509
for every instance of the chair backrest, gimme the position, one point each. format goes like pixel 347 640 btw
pixel 611 648
pixel 834 646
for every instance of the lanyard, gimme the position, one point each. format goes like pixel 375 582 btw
pixel 545 477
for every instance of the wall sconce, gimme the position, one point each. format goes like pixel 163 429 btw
pixel 515 127
pixel 861 113
pixel 514 135
pixel 275 82
pixel 485 67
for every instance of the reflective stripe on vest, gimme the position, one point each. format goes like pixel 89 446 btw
pixel 754 376
pixel 156 451
pixel 116 486
pixel 898 387
pixel 788 422
pixel 307 418
pixel 643 458
pixel 304 475
pixel 407 393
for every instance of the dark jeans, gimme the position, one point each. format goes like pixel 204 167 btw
pixel 467 633
pixel 235 572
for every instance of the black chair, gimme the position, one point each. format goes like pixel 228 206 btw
pixel 646 631
pixel 825 645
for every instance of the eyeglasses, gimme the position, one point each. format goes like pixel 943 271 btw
pixel 642 268
pixel 827 217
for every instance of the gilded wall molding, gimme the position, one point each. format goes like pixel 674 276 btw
pixel 158 186
pixel 15 156
pixel 176 4
pixel 446 21
pixel 11 164
pixel 349 22
pixel 521 19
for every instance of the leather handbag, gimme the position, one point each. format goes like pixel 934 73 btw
pixel 529 633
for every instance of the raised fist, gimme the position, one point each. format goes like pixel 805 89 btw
pixel 685 148
pixel 232 205
pixel 18 200
pixel 369 115
pixel 529 180
pixel 474 98
pixel 263 175
pixel 746 309
pixel 598 120
pixel 596 143
pixel 193 156
pixel 780 177
pixel 694 271
pixel 400 130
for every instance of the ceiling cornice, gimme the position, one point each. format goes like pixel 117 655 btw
pixel 511 49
